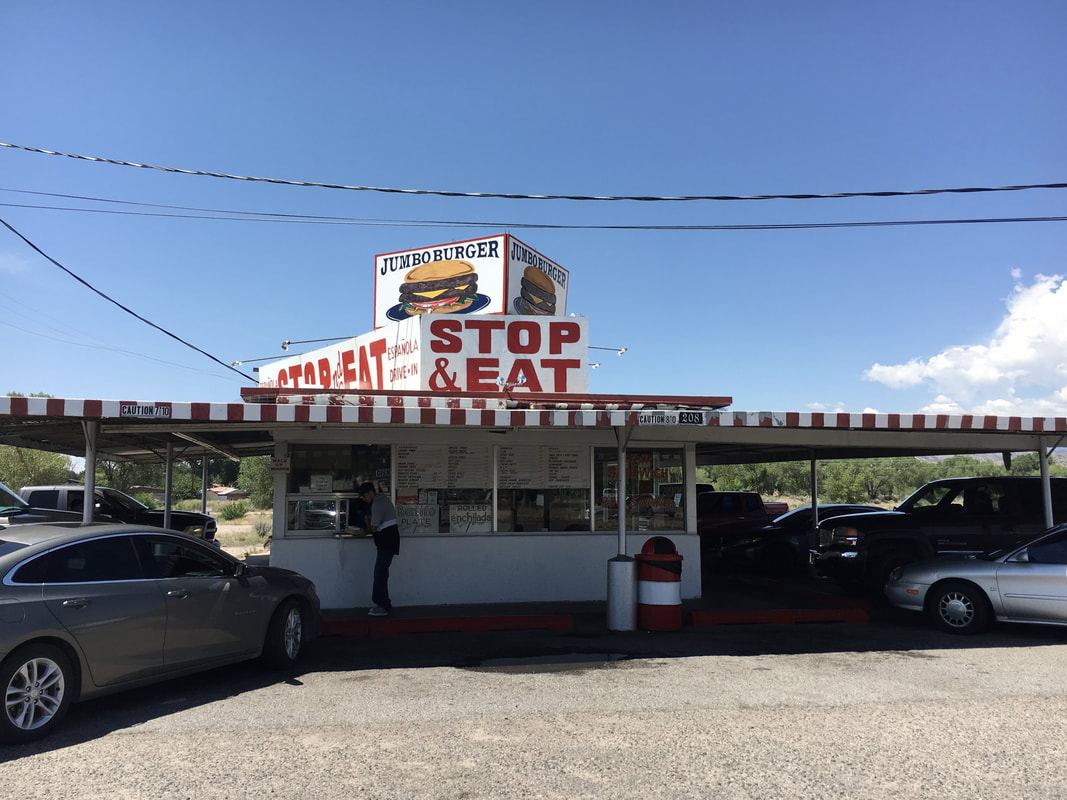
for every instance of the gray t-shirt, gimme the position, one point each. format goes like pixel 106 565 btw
pixel 382 512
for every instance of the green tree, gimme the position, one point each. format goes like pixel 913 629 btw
pixel 255 477
pixel 20 466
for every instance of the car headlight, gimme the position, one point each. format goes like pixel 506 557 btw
pixel 894 576
pixel 194 530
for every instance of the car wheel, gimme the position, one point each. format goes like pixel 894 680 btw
pixel 958 607
pixel 37 686
pixel 285 636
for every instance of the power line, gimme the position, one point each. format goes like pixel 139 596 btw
pixel 301 219
pixel 124 308
pixel 502 196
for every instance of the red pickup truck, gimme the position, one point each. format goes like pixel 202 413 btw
pixel 723 515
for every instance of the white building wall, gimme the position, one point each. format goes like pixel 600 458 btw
pixel 491 568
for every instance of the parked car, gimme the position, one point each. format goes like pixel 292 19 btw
pixel 784 544
pixel 964 594
pixel 94 609
pixel 16 511
pixel 954 515
pixel 111 504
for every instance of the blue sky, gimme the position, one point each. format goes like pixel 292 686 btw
pixel 587 98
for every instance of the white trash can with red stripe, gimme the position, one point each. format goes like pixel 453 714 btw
pixel 659 586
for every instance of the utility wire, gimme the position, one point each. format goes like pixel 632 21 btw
pixel 300 219
pixel 441 193
pixel 124 308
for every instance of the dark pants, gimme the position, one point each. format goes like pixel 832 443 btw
pixel 380 592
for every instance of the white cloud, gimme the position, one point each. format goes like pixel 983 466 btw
pixel 12 264
pixel 1022 369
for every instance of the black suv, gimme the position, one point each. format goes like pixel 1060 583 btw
pixel 954 515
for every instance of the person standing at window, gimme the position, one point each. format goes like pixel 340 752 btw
pixel 382 525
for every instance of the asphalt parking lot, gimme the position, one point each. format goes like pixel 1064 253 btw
pixel 890 708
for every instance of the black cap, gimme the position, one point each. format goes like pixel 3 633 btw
pixel 366 487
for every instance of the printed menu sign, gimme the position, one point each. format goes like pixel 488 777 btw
pixel 468 467
pixel 470 518
pixel 418 519
pixel 419 466
pixel 543 467
pixel 455 466
pixel 520 468
pixel 566 467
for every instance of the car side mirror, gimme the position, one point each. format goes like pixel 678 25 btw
pixel 1022 557
pixel 239 569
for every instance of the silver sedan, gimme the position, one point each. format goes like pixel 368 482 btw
pixel 93 609
pixel 964 594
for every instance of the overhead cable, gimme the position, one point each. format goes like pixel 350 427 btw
pixel 124 308
pixel 300 219
pixel 509 196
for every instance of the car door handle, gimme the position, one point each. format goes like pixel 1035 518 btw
pixel 77 602
pixel 178 594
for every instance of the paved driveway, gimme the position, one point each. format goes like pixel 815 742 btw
pixel 815 711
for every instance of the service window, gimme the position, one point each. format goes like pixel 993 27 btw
pixel 444 488
pixel 650 502
pixel 321 497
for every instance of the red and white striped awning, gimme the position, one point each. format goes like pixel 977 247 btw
pixel 501 411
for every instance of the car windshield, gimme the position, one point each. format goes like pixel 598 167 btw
pixel 10 502
pixel 119 499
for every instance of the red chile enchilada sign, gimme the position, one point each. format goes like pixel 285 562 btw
pixel 448 353
pixel 495 275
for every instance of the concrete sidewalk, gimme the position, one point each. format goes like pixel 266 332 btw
pixel 729 599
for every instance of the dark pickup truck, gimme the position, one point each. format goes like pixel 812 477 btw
pixel 113 504
pixel 955 515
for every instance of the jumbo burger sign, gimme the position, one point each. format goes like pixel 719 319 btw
pixel 494 275
pixel 448 353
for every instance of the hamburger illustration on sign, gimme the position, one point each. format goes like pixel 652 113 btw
pixel 538 293
pixel 440 287
pixel 494 275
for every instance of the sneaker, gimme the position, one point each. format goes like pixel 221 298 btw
pixel 378 611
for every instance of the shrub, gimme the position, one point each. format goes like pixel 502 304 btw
pixel 263 526
pixel 235 509
pixel 147 499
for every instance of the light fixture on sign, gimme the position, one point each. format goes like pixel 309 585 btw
pixel 618 350
pixel 505 385
pixel 251 360
pixel 595 366
pixel 287 342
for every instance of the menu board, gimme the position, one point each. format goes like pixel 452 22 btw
pixel 567 467
pixel 543 467
pixel 454 466
pixel 468 467
pixel 419 466
pixel 520 468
